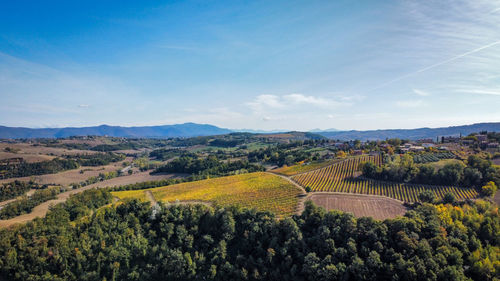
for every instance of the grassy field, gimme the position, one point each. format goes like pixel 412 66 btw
pixel 344 177
pixel 302 168
pixel 440 164
pixel 262 191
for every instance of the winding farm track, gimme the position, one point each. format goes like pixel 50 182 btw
pixel 302 197
pixel 151 198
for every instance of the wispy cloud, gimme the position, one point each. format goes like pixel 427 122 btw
pixel 421 93
pixel 438 64
pixel 410 103
pixel 492 92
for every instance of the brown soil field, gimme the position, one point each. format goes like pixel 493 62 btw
pixel 29 149
pixel 41 210
pixel 30 158
pixel 135 178
pixel 377 207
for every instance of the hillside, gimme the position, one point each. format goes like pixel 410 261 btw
pixel 413 134
pixel 177 130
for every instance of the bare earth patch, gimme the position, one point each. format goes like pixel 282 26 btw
pixel 71 176
pixel 29 149
pixel 30 158
pixel 377 207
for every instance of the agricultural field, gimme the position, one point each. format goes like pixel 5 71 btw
pixel 344 177
pixel 432 157
pixel 441 163
pixel 303 167
pixel 263 191
pixel 360 205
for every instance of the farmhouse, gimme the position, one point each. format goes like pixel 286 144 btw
pixel 482 138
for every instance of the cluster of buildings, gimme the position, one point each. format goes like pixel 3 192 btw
pixel 481 140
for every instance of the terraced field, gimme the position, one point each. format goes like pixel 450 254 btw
pixel 262 191
pixel 344 177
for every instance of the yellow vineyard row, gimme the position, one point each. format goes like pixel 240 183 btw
pixel 263 191
pixel 344 177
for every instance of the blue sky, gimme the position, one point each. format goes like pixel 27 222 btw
pixel 294 65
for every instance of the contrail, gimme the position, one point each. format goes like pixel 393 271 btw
pixel 438 64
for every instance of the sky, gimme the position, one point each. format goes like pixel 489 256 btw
pixel 286 65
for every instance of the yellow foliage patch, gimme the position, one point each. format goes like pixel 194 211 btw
pixel 262 191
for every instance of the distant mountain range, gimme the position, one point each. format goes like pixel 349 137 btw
pixel 178 130
pixel 193 130
pixel 412 134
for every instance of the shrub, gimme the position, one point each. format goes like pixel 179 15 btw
pixel 489 189
pixel 427 196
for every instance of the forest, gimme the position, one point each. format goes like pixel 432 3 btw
pixel 26 169
pixel 207 166
pixel 134 241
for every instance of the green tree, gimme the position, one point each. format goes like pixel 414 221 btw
pixel 427 196
pixel 489 189
pixel 449 198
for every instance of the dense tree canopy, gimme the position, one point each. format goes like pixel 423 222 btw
pixel 133 241
pixel 210 165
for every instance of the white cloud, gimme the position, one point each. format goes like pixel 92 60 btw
pixel 84 106
pixel 410 103
pixel 421 93
pixel 493 92
pixel 261 101
pixel 311 100
pixel 284 102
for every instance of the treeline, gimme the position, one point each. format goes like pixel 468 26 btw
pixel 16 188
pixel 210 165
pixel 27 203
pixel 114 147
pixel 97 159
pixel 26 169
pixel 149 184
pixel 133 241
pixel 82 204
pixel 476 173
pixel 226 143
pixel 163 154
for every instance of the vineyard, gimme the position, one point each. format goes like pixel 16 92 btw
pixel 303 167
pixel 432 157
pixel 344 177
pixel 263 191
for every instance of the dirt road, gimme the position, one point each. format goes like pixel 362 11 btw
pixel 41 210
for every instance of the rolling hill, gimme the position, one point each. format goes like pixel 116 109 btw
pixel 178 130
pixel 413 134
pixel 194 130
